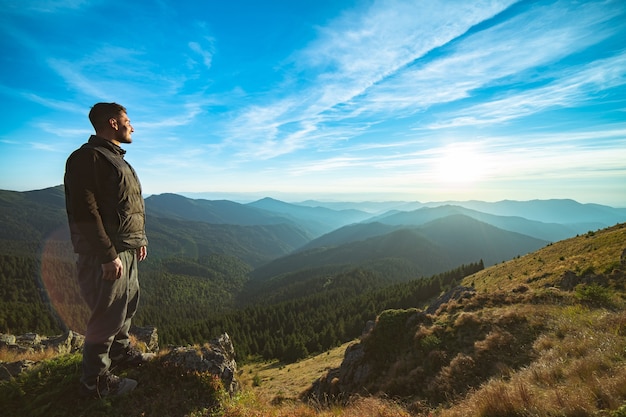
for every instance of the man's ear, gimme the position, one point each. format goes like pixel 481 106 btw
pixel 113 122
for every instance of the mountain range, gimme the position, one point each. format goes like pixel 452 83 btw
pixel 280 237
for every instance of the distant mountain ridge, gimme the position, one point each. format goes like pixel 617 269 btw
pixel 561 211
pixel 433 247
pixel 546 231
pixel 209 211
pixel 31 215
pixel 34 214
pixel 318 220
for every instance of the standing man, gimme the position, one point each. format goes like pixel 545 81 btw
pixel 106 215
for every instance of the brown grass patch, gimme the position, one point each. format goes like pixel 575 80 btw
pixel 14 355
pixel 580 370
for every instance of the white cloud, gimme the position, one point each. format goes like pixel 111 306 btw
pixel 205 53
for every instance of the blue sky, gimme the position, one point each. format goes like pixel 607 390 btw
pixel 328 99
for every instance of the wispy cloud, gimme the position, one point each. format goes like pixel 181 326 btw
pixel 375 64
pixel 64 132
pixel 111 71
pixel 42 6
pixel 206 52
pixel 573 88
pixel 45 146
pixel 351 55
pixel 498 55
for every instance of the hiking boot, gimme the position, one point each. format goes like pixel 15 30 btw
pixel 132 358
pixel 108 385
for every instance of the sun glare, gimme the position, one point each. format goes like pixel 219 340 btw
pixel 460 164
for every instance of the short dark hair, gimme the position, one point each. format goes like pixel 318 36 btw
pixel 101 113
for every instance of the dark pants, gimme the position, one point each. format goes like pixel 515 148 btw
pixel 113 305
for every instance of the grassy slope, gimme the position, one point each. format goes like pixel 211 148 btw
pixel 576 362
pixel 579 366
pixel 275 381
pixel 597 252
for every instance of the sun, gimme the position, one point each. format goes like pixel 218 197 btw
pixel 460 164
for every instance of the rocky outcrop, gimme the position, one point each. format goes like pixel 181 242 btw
pixel 358 367
pixel 457 293
pixel 31 344
pixel 569 280
pixel 216 357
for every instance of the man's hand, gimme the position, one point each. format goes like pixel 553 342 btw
pixel 112 270
pixel 142 252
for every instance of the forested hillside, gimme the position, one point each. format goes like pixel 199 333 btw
pixel 320 313
pixel 199 263
pixel 23 299
pixel 428 249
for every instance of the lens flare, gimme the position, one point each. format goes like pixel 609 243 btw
pixel 58 275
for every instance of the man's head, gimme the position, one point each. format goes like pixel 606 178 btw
pixel 111 122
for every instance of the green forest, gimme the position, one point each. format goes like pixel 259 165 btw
pixel 193 300
pixel 336 311
pixel 24 305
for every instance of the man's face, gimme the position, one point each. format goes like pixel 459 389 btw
pixel 123 129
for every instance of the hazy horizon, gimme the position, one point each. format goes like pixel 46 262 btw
pixel 365 100
pixel 294 198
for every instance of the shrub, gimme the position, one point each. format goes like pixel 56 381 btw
pixel 594 294
pixel 430 342
pixel 390 332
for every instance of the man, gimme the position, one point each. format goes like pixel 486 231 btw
pixel 106 215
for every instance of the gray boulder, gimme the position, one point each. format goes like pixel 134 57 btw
pixel 216 357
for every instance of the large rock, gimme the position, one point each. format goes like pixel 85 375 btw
pixel 31 344
pixel 69 342
pixel 147 336
pixel 216 357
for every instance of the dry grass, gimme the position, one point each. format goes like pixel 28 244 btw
pixel 271 389
pixel 580 371
pixel 274 381
pixel 251 406
pixel 598 251
pixel 13 355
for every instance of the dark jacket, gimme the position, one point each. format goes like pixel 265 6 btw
pixel 105 207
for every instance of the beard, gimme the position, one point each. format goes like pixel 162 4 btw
pixel 124 138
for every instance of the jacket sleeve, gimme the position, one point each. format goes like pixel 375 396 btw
pixel 81 180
